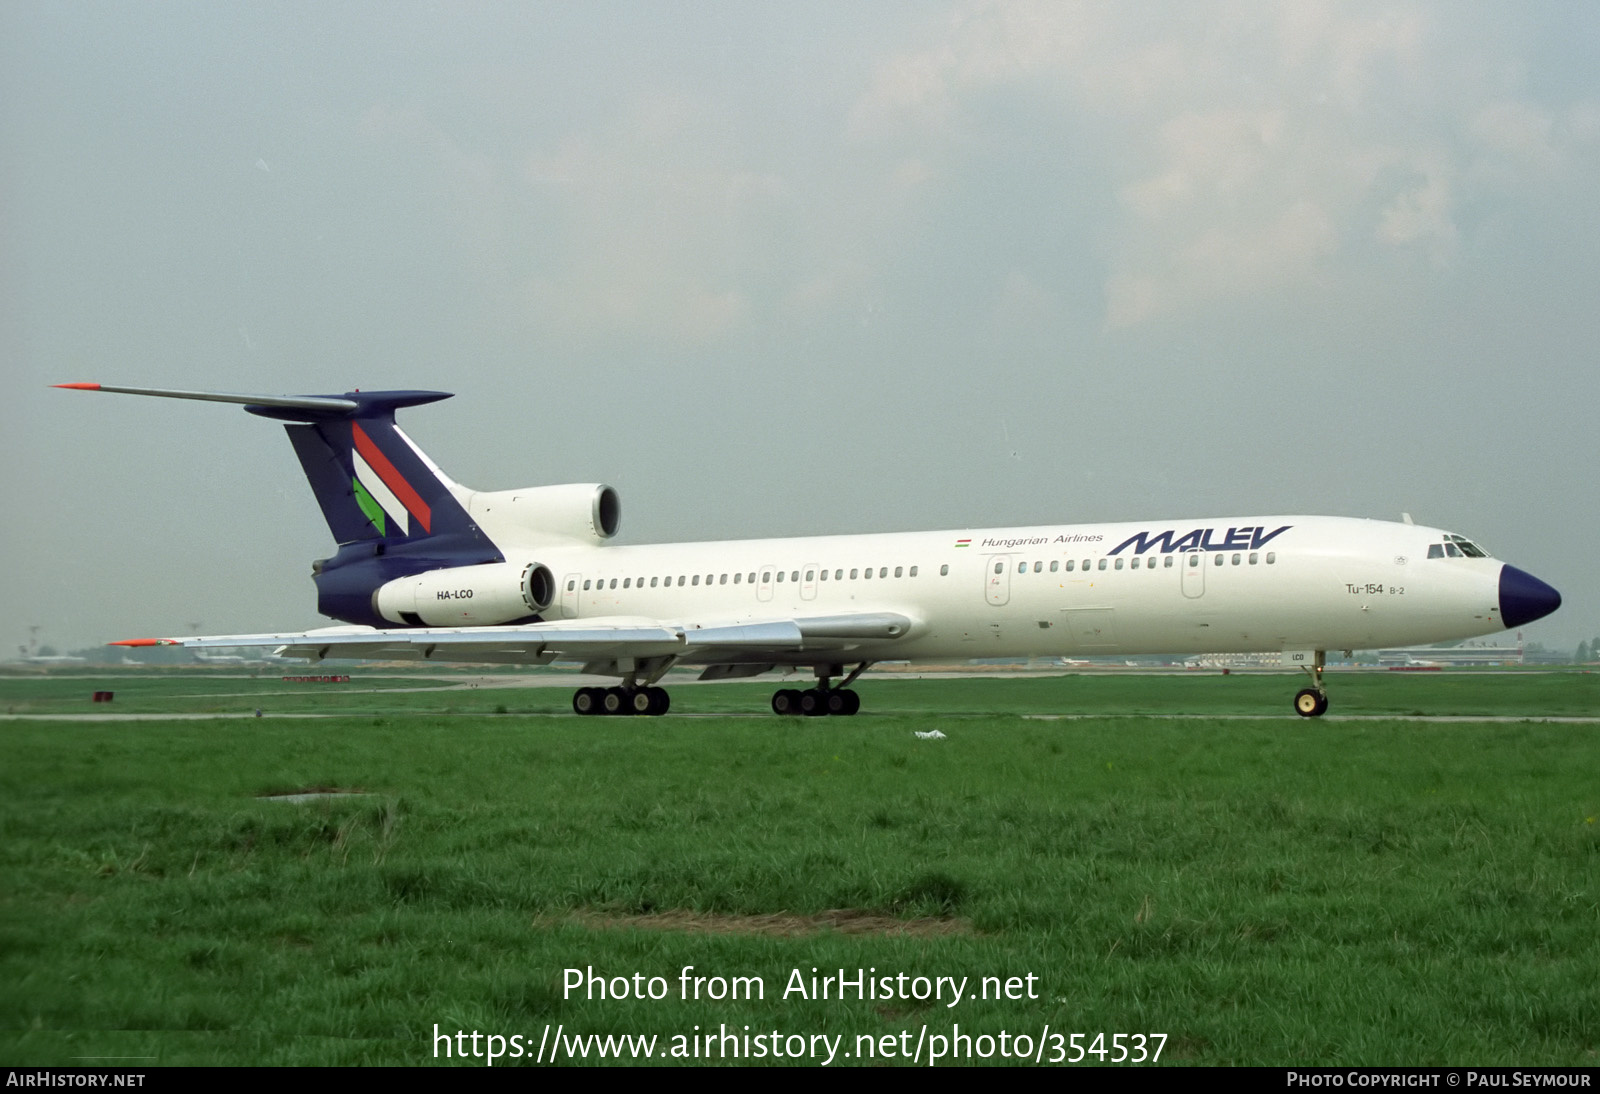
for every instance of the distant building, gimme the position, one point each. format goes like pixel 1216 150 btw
pixel 1455 656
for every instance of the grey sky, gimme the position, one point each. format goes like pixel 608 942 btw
pixel 777 269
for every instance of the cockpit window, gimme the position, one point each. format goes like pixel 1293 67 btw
pixel 1456 547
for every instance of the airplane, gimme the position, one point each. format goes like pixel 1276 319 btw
pixel 430 570
pixel 221 658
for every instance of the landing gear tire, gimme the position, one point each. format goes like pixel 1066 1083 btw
pixel 614 701
pixel 641 701
pixel 843 702
pixel 786 701
pixel 1310 703
pixel 586 701
pixel 814 703
pixel 660 701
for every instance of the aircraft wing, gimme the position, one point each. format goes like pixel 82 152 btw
pixel 805 640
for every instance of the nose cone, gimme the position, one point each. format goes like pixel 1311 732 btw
pixel 1524 598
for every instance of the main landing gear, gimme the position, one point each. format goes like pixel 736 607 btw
pixel 651 701
pixel 1312 702
pixel 822 699
pixel 815 702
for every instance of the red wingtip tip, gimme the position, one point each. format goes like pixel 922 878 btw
pixel 143 642
pixel 79 387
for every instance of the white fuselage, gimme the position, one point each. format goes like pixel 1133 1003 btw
pixel 1208 585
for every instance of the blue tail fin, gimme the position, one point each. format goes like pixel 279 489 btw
pixel 392 512
pixel 370 480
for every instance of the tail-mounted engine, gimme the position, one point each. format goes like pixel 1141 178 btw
pixel 587 513
pixel 468 596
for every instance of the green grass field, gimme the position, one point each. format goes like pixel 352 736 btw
pixel 1259 890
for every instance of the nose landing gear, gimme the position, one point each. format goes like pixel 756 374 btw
pixel 1312 702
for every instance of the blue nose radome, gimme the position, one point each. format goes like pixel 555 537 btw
pixel 1524 598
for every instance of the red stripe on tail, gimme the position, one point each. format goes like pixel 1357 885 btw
pixel 391 477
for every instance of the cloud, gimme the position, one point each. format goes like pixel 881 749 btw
pixel 1250 147
pixel 657 221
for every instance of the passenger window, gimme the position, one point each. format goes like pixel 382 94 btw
pixel 897 571
pixel 1119 564
pixel 766 576
pixel 823 575
pixel 723 580
pixel 1055 565
pixel 1218 560
pixel 1072 564
pixel 613 583
pixel 913 572
pixel 752 578
pixel 1236 560
pixel 696 579
pixel 944 570
pixel 1272 556
pixel 853 573
pixel 1133 563
pixel 1022 567
pixel 999 567
pixel 653 581
pixel 1169 562
pixel 1253 556
pixel 1102 564
pixel 737 578
pixel 1085 564
pixel 627 583
pixel 586 585
pixel 838 575
pixel 795 576
pixel 1194 560
pixel 867 573
pixel 811 575
pixel 1038 567
pixel 571 585
pixel 780 577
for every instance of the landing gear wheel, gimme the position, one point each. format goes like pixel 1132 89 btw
pixel 586 701
pixel 1310 703
pixel 786 701
pixel 660 701
pixel 641 701
pixel 614 701
pixel 843 702
pixel 814 703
